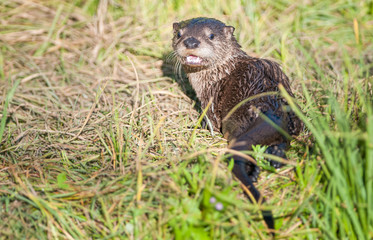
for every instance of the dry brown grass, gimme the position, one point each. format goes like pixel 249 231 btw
pixel 85 75
pixel 98 140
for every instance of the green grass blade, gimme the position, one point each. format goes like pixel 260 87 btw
pixel 8 99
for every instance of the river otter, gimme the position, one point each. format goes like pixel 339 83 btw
pixel 220 72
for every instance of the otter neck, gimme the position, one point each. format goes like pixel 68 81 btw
pixel 205 78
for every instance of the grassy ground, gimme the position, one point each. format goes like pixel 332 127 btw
pixel 98 142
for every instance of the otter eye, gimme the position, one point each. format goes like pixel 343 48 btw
pixel 211 36
pixel 178 35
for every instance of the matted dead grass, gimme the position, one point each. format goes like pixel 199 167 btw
pixel 85 75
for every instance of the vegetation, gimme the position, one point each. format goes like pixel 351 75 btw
pixel 98 140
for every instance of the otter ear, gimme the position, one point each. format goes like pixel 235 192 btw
pixel 228 31
pixel 176 26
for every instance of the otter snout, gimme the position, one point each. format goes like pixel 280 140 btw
pixel 191 43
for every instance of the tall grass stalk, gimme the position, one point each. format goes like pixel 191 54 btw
pixel 344 138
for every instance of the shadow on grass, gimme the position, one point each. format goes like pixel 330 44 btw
pixel 168 70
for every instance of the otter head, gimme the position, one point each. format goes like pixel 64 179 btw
pixel 203 42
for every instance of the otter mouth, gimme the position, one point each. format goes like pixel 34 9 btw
pixel 193 60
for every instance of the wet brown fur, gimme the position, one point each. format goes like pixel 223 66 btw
pixel 228 76
pixel 229 80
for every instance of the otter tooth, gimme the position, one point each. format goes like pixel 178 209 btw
pixel 193 59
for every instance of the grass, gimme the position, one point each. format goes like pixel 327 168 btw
pixel 98 142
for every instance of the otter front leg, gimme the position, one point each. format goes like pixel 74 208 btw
pixel 262 133
pixel 239 170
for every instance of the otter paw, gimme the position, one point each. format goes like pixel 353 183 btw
pixel 277 150
pixel 252 171
pixel 276 164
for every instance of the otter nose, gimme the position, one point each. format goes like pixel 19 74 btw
pixel 191 43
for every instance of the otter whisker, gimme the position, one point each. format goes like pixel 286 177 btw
pixel 171 57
